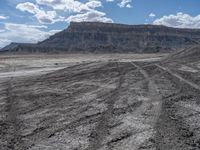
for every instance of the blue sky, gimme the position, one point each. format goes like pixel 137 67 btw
pixel 34 20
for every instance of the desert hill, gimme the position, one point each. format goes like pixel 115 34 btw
pixel 107 38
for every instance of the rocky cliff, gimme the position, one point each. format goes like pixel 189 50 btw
pixel 108 37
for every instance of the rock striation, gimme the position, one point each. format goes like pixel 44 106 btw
pixel 108 37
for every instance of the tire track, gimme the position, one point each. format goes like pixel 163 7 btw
pixel 102 129
pixel 193 85
pixel 152 107
pixel 146 114
pixel 173 132
pixel 11 124
pixel 155 98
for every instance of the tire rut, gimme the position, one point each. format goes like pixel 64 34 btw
pixel 193 85
pixel 154 104
pixel 153 93
pixel 102 129
pixel 173 131
pixel 11 124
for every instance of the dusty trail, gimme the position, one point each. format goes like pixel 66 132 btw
pixel 151 107
pixel 175 127
pixel 195 86
pixel 108 105
pixel 25 73
pixel 155 101
pixel 14 141
pixel 10 135
pixel 102 129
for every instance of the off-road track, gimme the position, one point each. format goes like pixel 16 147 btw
pixel 109 105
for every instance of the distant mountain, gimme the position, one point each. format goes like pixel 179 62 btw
pixel 30 48
pixel 10 46
pixel 107 37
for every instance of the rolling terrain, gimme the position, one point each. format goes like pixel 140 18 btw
pixel 101 102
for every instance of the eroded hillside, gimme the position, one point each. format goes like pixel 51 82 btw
pixel 93 37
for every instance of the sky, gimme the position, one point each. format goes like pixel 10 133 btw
pixel 30 21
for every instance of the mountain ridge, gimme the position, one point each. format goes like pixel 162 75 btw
pixel 108 37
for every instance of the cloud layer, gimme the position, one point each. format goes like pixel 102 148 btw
pixel 152 15
pixel 44 17
pixel 49 12
pixel 180 20
pixel 24 33
pixel 3 17
pixel 92 15
pixel 79 11
pixel 125 3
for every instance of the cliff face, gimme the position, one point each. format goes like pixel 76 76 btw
pixel 122 38
pixel 107 37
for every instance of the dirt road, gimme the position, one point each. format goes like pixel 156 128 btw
pixel 101 105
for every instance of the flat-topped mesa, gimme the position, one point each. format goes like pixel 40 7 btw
pixel 109 37
pixel 110 27
pixel 138 29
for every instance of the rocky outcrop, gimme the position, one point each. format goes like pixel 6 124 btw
pixel 108 37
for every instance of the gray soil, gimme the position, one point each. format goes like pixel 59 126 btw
pixel 117 102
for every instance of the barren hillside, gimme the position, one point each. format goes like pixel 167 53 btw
pixel 93 37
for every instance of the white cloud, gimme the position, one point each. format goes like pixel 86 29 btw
pixel 90 16
pixel 2 30
pixel 44 17
pixel 129 6
pixel 29 7
pixel 152 15
pixel 3 17
pixel 180 20
pixel 47 12
pixel 4 42
pixel 93 4
pixel 81 11
pixel 52 32
pixel 110 0
pixel 70 5
pixel 24 33
pixel 59 4
pixel 125 3
pixel 122 3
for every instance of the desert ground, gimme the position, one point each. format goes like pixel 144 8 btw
pixel 99 102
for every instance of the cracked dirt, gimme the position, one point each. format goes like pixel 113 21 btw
pixel 126 102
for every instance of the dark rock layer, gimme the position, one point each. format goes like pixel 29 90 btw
pixel 107 37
